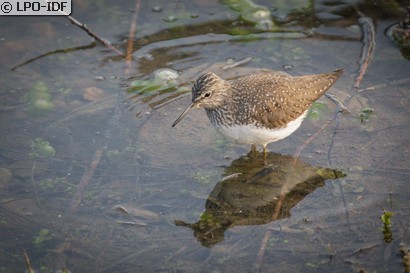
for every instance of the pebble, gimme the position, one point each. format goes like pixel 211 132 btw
pixel 170 19
pixel 156 8
pixel 287 67
pixel 166 74
pixel 92 93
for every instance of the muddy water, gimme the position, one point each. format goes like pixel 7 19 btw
pixel 94 179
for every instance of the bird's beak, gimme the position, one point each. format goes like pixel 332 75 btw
pixel 187 110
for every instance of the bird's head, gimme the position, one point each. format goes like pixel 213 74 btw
pixel 209 92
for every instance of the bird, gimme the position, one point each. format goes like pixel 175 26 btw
pixel 258 109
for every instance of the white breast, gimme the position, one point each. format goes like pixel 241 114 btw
pixel 250 134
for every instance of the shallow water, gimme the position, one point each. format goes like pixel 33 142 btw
pixel 94 179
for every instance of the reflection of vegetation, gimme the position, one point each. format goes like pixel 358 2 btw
pixel 47 269
pixel 39 99
pixel 405 252
pixel 317 110
pixel 42 236
pixel 113 155
pixel 401 33
pixel 386 217
pixel 42 147
pixel 143 87
pixel 386 220
pixel 328 173
pixel 306 11
pixel 164 81
pixel 51 183
pixel 250 12
pixel 365 114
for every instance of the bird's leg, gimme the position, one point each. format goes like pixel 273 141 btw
pixel 253 152
pixel 265 154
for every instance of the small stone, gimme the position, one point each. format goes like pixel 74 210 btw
pixel 230 61
pixel 156 9
pixel 43 105
pixel 99 78
pixel 92 93
pixel 170 19
pixel 166 74
pixel 356 168
pixel 287 67
pixel 147 57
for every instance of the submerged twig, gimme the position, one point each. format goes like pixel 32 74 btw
pixel 313 137
pixel 28 264
pixel 284 191
pixel 368 47
pixel 342 108
pixel 131 35
pixel 368 40
pixel 268 234
pixel 278 208
pixel 67 50
pixel 86 178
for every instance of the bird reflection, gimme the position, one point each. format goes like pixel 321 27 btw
pixel 250 192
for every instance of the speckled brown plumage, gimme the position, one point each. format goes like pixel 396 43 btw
pixel 261 108
pixel 268 100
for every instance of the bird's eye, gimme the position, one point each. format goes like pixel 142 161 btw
pixel 207 94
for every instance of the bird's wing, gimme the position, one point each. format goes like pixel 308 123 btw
pixel 274 100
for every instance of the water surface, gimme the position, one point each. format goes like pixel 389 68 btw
pixel 94 179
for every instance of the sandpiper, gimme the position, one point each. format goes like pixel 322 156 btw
pixel 261 108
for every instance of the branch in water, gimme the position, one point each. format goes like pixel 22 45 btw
pixel 91 33
pixel 58 51
pixel 130 44
pixel 368 46
pixel 95 36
